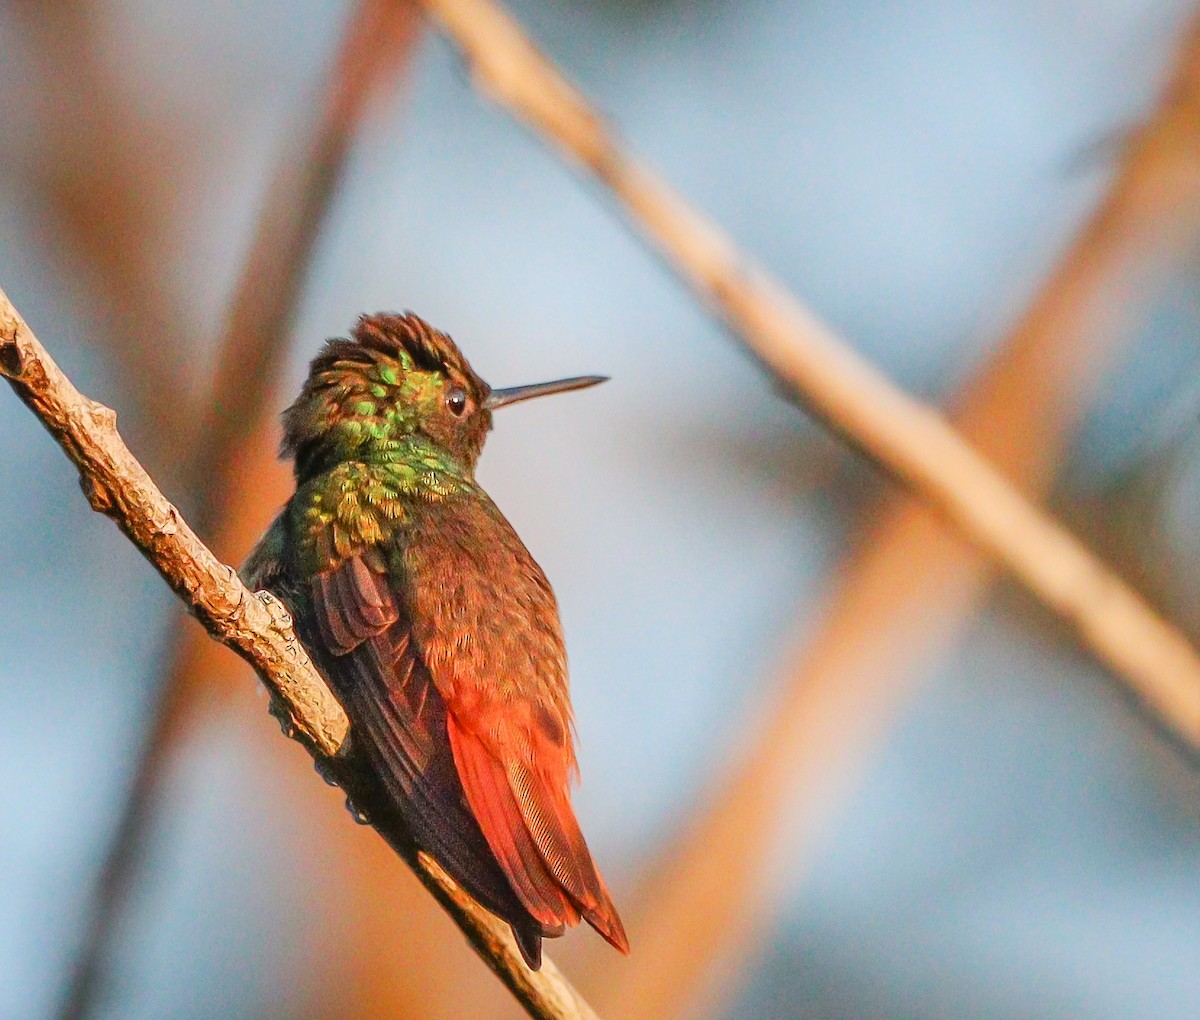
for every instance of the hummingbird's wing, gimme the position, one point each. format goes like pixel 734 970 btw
pixel 399 720
pixel 355 627
pixel 486 626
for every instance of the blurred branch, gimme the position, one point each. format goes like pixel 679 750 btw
pixel 375 52
pixel 912 584
pixel 233 475
pixel 910 440
pixel 109 180
pixel 255 625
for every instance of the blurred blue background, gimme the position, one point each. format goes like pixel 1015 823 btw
pixel 1022 845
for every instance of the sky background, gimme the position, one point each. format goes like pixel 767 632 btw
pixel 1022 845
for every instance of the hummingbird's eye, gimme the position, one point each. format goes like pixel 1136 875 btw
pixel 457 402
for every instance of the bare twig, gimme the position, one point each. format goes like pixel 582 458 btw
pixel 911 585
pixel 255 625
pixel 233 477
pixel 911 440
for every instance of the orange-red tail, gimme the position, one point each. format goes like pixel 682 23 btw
pixel 525 814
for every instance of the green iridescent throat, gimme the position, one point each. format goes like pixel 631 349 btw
pixel 374 442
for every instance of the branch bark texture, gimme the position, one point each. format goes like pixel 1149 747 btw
pixel 254 624
pixel 909 439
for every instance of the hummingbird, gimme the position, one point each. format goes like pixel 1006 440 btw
pixel 432 623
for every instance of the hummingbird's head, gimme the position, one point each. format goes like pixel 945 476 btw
pixel 394 378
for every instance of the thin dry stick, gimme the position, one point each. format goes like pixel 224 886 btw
pixel 911 440
pixel 254 625
pixel 231 489
pixel 912 584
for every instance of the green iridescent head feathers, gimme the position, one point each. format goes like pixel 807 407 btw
pixel 394 380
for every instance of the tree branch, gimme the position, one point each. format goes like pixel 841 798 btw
pixel 254 625
pixel 909 587
pixel 910 440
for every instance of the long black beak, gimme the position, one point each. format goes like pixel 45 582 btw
pixel 513 394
